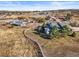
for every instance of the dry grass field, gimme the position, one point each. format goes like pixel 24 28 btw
pixel 13 43
pixel 62 47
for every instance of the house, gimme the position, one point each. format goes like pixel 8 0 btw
pixel 47 31
pixel 50 25
pixel 18 22
pixel 23 24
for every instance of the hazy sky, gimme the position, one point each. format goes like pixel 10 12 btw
pixel 38 5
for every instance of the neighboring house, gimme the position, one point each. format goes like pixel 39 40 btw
pixel 50 25
pixel 47 30
pixel 23 24
pixel 17 23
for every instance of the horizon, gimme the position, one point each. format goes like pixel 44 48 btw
pixel 39 10
pixel 38 5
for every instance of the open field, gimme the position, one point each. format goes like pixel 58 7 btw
pixel 62 47
pixel 14 44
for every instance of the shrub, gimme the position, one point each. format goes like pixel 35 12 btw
pixel 41 20
pixel 33 18
pixel 47 18
pixel 65 30
pixel 10 26
pixel 73 34
pixel 39 29
pixel 21 18
pixel 54 32
pixel 74 24
pixel 67 17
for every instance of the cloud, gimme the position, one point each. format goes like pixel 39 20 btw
pixel 57 5
pixel 52 5
pixel 65 5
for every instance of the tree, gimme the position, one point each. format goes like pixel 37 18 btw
pixel 67 17
pixel 54 32
pixel 65 30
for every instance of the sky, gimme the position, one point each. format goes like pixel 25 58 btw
pixel 38 5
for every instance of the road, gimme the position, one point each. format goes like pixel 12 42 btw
pixel 75 29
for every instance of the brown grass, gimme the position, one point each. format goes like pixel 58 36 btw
pixel 13 43
pixel 65 46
